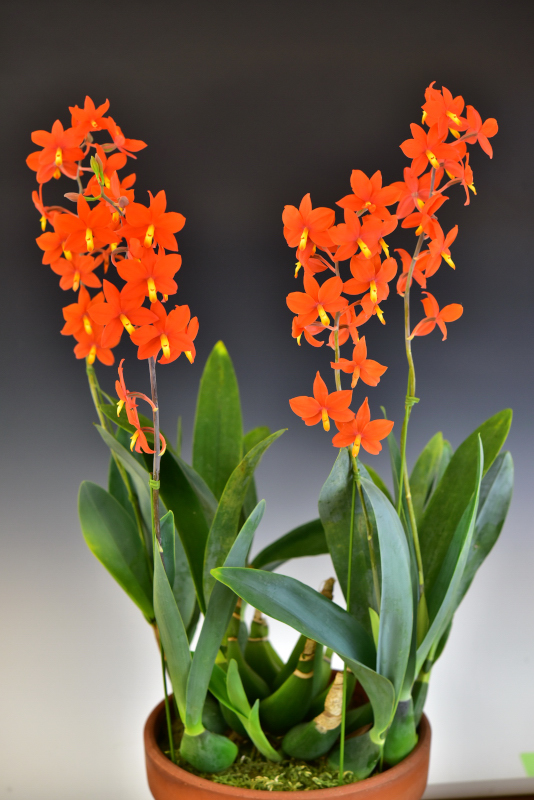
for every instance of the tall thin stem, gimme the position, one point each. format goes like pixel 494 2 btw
pixel 154 483
pixel 337 372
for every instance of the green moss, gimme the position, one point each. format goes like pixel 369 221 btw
pixel 252 771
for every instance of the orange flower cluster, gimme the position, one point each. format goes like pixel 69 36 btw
pixel 109 228
pixel 368 220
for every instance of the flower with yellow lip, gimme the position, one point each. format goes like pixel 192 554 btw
pixel 323 406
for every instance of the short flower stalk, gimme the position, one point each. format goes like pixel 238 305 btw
pixel 177 537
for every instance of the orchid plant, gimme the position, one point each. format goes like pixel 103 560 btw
pixel 177 537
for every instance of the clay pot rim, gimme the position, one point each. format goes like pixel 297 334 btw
pixel 177 774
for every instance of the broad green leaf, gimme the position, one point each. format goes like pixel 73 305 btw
pixel 137 473
pixel 495 497
pixel 184 493
pixel 308 612
pixel 112 536
pixel 424 473
pixel 234 687
pixel 250 440
pixel 443 597
pixel 218 431
pixel 116 485
pixel 226 522
pixel 306 540
pixel 453 493
pixel 395 460
pixel 396 601
pixel 377 480
pixel 446 455
pixel 168 550
pixel 183 587
pixel 218 614
pixel 335 508
pixel 172 633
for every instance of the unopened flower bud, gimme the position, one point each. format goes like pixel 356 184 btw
pixel 72 196
pixel 123 201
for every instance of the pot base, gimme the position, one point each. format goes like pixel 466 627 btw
pixel 167 781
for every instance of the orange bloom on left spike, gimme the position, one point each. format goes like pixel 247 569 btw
pixel 360 366
pixel 59 154
pixel 322 405
pixel 153 225
pixel 76 271
pixel 89 230
pixel 363 432
pixel 89 346
pixel 305 224
pixel 120 311
pixel 316 301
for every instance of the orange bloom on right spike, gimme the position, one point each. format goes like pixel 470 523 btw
pixel 435 317
pixel 322 405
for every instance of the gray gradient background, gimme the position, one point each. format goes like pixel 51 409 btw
pixel 245 107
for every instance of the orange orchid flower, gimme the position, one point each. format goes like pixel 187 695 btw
pixel 89 230
pixel 367 235
pixel 89 119
pixel 120 311
pixel 37 198
pixel 428 147
pixel 438 248
pixel 153 225
pixel 75 271
pixel 53 243
pixel 435 317
pixel 363 432
pixel 322 405
pixel 173 333
pixel 371 275
pixel 89 346
pixel 317 301
pixel 305 224
pixel 348 326
pixel 443 110
pixel 424 219
pixel 463 173
pixel 311 261
pixel 59 154
pixel 148 273
pixel 77 317
pixel 126 398
pixel 127 146
pixel 138 439
pixel 360 366
pixel 417 273
pixel 309 331
pixel 369 194
pixel 478 131
pixel 414 191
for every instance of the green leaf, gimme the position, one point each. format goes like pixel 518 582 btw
pixel 111 535
pixel 137 473
pixel 424 474
pixel 306 540
pixel 396 603
pixel 335 508
pixel 446 455
pixel 250 440
pixel 453 493
pixel 116 485
pixel 377 480
pixel 218 431
pixel 317 618
pixel 226 522
pixel 172 633
pixel 443 598
pixel 218 614
pixel 183 587
pixel 184 493
pixel 495 497
pixel 168 551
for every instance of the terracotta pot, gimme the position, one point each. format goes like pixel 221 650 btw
pixel 406 781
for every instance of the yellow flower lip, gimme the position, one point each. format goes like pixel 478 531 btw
pixel 432 158
pixel 149 236
pixel 76 282
pixel 356 445
pixel 448 259
pixel 67 254
pixel 134 439
pixel 126 322
pixel 58 161
pixel 303 239
pixel 454 117
pixel 380 314
pixel 189 356
pixel 43 222
pixel 92 355
pixel 298 265
pixel 326 421
pixel 89 241
pixel 384 247
pixel 363 247
pixel 373 294
pixel 323 315
pixel 165 346
pixel 87 325
pixel 152 294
